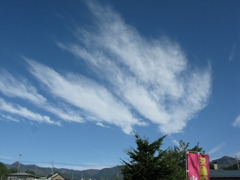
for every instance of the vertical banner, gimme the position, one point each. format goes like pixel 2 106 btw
pixel 198 166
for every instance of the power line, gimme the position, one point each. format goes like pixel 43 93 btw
pixel 60 163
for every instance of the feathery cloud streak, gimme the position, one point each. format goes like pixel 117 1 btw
pixel 135 81
pixel 237 155
pixel 216 149
pixel 24 112
pixel 14 87
pixel 236 123
pixel 151 76
pixel 95 100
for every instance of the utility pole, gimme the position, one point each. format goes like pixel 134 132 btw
pixel 237 162
pixel 20 155
pixel 52 166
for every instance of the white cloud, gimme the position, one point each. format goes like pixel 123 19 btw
pixel 236 123
pixel 8 117
pixel 101 124
pixel 234 52
pixel 24 112
pixel 5 158
pixel 237 155
pixel 216 149
pixel 152 77
pixel 89 96
pixel 12 86
pixel 134 81
pixel 174 141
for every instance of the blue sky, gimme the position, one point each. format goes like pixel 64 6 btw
pixel 78 77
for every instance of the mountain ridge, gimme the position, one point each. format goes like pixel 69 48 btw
pixel 225 161
pixel 105 173
pixel 101 174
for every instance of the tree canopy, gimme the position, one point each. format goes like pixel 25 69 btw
pixel 149 161
pixel 30 172
pixel 3 170
pixel 146 161
pixel 176 159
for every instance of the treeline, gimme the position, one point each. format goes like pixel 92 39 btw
pixel 149 161
pixel 4 171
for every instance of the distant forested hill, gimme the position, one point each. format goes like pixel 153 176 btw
pixel 103 174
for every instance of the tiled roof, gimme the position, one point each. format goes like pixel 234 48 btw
pixel 55 174
pixel 225 173
pixel 21 174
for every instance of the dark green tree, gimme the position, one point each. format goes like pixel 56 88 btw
pixel 146 161
pixel 3 171
pixel 12 170
pixel 30 172
pixel 176 159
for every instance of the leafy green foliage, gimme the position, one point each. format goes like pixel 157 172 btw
pixel 12 170
pixel 176 159
pixel 148 161
pixel 3 170
pixel 30 172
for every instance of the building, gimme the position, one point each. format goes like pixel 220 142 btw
pixel 225 174
pixel 57 176
pixel 21 176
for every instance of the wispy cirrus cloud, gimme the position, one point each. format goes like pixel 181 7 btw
pixel 237 155
pixel 135 81
pixel 216 148
pixel 234 51
pixel 152 77
pixel 236 123
pixel 25 113
pixel 19 87
pixel 94 99
pixel 8 118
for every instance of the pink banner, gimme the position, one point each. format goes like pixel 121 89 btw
pixel 198 167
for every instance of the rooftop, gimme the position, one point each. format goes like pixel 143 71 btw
pixel 225 173
pixel 21 174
